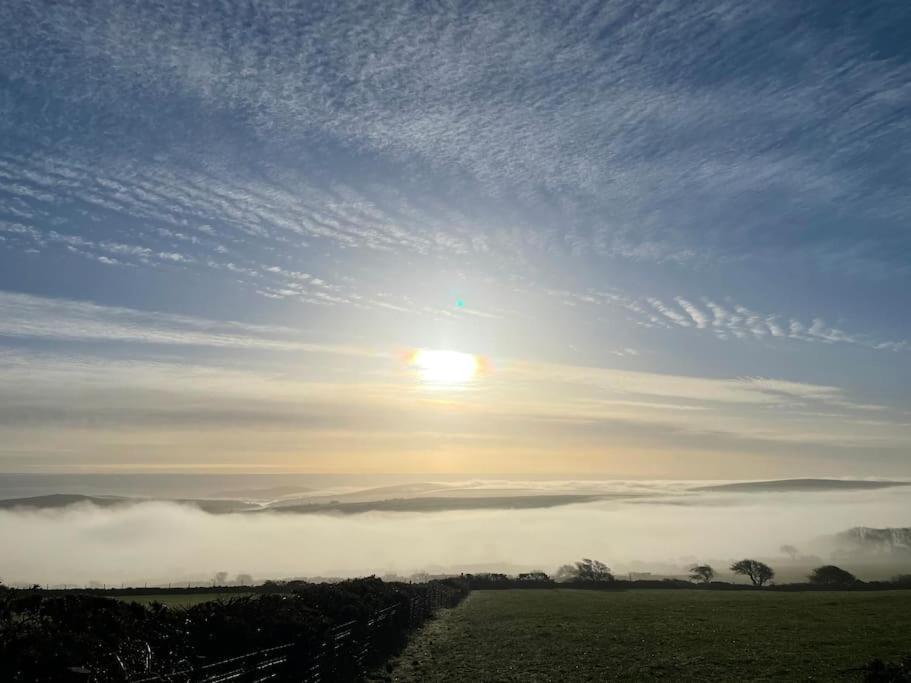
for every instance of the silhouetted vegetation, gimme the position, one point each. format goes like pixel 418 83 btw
pixel 585 570
pixel 700 576
pixel 55 637
pixel 701 573
pixel 790 551
pixel 830 575
pixel 50 635
pixel 759 572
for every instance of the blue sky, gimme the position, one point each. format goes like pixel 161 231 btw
pixel 678 232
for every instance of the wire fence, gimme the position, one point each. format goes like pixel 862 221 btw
pixel 346 652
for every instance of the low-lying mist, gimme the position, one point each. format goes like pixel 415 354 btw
pixel 161 542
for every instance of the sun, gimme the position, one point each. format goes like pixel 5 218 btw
pixel 445 367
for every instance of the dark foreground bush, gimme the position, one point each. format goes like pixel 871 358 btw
pixel 879 671
pixel 90 638
pixel 830 575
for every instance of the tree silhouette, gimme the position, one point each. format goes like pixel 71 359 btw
pixel 830 575
pixel 536 575
pixel 585 570
pixel 593 570
pixel 566 572
pixel 759 572
pixel 790 551
pixel 702 573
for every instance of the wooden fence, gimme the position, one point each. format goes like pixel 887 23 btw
pixel 346 652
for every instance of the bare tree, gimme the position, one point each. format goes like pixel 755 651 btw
pixel 221 579
pixel 244 580
pixel 701 573
pixel 759 572
pixel 790 551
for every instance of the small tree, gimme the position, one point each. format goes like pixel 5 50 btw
pixel 593 570
pixel 701 573
pixel 585 570
pixel 759 572
pixel 830 575
pixel 790 551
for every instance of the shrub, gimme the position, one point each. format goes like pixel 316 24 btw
pixel 43 637
pixel 830 575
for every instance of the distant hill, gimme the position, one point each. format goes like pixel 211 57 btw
pixel 62 500
pixel 789 485
pixel 262 494
pixel 59 500
pixel 393 492
pixel 360 502
pixel 437 504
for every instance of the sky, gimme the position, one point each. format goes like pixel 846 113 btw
pixel 672 238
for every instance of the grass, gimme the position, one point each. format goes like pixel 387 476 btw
pixel 675 635
pixel 178 599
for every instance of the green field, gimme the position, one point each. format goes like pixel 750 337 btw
pixel 675 635
pixel 178 599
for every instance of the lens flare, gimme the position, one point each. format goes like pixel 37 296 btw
pixel 445 367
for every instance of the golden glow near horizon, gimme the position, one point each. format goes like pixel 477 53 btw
pixel 443 367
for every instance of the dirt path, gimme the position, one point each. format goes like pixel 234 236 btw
pixel 416 661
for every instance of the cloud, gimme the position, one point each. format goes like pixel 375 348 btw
pixel 735 391
pixel 732 322
pixel 669 313
pixel 374 159
pixel 25 315
pixel 140 410
pixel 161 217
pixel 626 114
pixel 697 316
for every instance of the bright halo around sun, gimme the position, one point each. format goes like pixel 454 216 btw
pixel 445 367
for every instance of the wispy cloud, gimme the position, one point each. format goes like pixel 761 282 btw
pixel 730 320
pixel 674 316
pixel 696 315
pixel 27 316
pixel 371 162
pixel 163 217
pixel 523 405
pixel 522 98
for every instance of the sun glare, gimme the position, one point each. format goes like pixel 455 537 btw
pixel 445 367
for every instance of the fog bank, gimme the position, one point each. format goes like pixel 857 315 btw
pixel 159 542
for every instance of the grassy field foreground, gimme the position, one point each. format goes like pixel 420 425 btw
pixel 578 635
pixel 179 599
